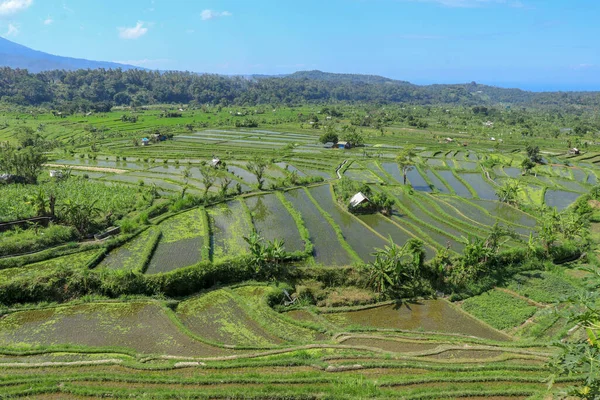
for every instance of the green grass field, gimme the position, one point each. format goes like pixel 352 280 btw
pixel 166 309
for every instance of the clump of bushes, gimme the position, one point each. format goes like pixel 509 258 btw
pixel 20 241
pixel 293 179
pixel 346 188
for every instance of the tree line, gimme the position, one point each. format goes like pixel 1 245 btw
pixel 101 89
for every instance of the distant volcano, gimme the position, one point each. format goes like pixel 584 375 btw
pixel 14 55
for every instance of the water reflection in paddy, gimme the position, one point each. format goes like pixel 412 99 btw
pixel 427 315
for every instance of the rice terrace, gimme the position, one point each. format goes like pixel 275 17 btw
pixel 191 257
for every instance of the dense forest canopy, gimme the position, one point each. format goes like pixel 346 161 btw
pixel 136 87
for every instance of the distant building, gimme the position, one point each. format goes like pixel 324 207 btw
pixel 215 162
pixel 574 151
pixel 157 137
pixel 7 178
pixel 358 199
pixel 56 174
pixel 344 145
pixel 145 142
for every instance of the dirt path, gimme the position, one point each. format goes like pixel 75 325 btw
pixel 337 171
pixel 84 168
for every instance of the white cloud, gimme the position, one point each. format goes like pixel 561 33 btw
pixel 133 33
pixel 211 14
pixel 48 21
pixel 9 7
pixel 13 30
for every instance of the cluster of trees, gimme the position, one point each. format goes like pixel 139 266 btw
pixel 99 89
pixel 348 133
pixel 582 357
pixel 21 164
pixel 266 257
pixel 399 271
pixel 346 188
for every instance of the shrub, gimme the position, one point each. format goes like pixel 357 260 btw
pixel 500 310
pixel 25 241
pixel 128 225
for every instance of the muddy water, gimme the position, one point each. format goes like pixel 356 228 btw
pixel 571 185
pixel 506 212
pixel 437 182
pixel 359 237
pixel 327 248
pixel 458 187
pixel 392 169
pixel 482 187
pixel 579 175
pixel 426 315
pixel 512 172
pixel 390 345
pixel 418 182
pixel 560 199
pixel 388 229
pixel 246 176
pixel 273 221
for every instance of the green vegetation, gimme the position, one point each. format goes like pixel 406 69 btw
pixel 543 287
pixel 227 279
pixel 499 309
pixel 23 164
pixel 18 241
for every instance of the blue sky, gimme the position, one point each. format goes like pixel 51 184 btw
pixel 534 44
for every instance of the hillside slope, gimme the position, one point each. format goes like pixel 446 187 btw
pixel 14 55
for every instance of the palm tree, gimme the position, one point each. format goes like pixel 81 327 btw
pixel 266 258
pixel 79 215
pixel 225 182
pixel 394 267
pixel 380 275
pixel 40 202
pixel 293 178
pixel 209 177
pixel 257 166
pixel 509 192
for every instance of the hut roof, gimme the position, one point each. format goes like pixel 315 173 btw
pixel 358 199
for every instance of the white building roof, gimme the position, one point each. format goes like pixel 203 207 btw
pixel 358 199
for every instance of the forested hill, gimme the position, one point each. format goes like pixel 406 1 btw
pixel 346 78
pixel 17 56
pixel 138 87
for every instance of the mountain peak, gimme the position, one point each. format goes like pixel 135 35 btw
pixel 14 55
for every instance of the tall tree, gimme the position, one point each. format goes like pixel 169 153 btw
pixel 527 165
pixel 509 192
pixel 397 270
pixel 27 163
pixel 405 161
pixel 209 177
pixel 533 152
pixel 581 356
pixel 258 166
